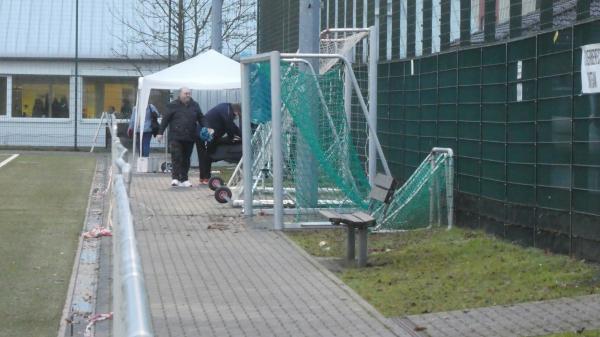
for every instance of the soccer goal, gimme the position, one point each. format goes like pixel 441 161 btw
pixel 426 198
pixel 314 144
pixel 357 45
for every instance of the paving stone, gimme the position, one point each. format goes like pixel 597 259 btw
pixel 526 319
pixel 211 272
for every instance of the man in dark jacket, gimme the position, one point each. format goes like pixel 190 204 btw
pixel 183 117
pixel 221 119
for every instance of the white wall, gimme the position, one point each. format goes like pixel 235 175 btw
pixel 60 132
pixel 47 132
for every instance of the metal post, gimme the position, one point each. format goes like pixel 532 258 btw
pixel 170 27
pixel 366 43
pixel 134 138
pixel 348 90
pixel 362 246
pixel 450 190
pixel 431 191
pixel 246 140
pixel 76 72
pixel 216 27
pixel 308 42
pixel 373 57
pixel 351 244
pixel 276 141
pixel 449 157
pixel 436 189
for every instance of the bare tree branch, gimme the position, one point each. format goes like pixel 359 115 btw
pixel 147 29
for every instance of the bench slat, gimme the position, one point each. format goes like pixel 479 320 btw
pixel 350 219
pixel 332 216
pixel 364 216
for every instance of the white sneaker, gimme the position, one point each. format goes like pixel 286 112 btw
pixel 185 184
pixel 175 182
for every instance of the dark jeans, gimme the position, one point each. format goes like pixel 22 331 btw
pixel 180 157
pixel 145 143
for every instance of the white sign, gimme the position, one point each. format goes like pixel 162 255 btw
pixel 519 69
pixel 590 68
pixel 519 92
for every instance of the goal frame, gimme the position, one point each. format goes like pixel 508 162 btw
pixel 275 58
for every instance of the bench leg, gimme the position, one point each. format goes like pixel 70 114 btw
pixel 350 249
pixel 362 246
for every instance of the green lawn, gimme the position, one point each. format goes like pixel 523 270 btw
pixel 42 208
pixel 591 333
pixel 430 271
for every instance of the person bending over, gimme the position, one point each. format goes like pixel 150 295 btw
pixel 183 117
pixel 221 119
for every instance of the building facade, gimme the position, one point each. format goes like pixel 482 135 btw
pixel 62 64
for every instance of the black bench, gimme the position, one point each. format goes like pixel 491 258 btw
pixel 382 190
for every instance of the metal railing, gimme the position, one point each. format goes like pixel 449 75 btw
pixel 131 310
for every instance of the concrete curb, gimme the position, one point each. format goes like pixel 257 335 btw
pixel 81 293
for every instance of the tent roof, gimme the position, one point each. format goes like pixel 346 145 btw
pixel 207 71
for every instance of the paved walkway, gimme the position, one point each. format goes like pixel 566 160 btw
pixel 526 319
pixel 209 273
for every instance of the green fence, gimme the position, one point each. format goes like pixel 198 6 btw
pixel 527 141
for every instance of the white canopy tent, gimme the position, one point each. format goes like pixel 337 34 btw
pixel 210 70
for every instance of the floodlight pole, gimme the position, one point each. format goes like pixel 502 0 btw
pixel 373 57
pixel 307 168
pixel 216 25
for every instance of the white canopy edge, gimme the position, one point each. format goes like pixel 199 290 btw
pixel 207 71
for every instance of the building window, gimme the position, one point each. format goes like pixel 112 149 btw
pixel 2 96
pixel 40 96
pixel 108 94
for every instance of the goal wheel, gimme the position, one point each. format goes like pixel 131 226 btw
pixel 215 182
pixel 223 194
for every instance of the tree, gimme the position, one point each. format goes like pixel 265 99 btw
pixel 189 21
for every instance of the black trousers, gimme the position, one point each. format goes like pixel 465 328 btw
pixel 204 160
pixel 181 152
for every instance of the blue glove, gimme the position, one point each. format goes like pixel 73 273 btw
pixel 205 135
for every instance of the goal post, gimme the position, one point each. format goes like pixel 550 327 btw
pixel 275 61
pixel 426 198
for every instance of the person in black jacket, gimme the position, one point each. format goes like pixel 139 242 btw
pixel 183 117
pixel 221 119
